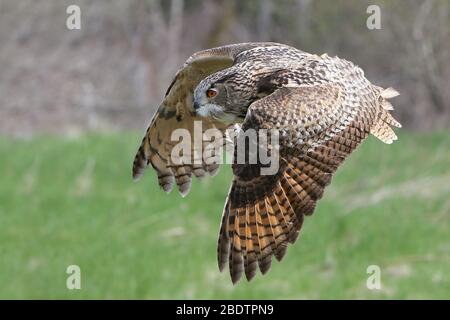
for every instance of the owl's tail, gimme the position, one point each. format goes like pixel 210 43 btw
pixel 382 125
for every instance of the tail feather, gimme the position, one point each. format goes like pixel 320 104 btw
pixel 382 125
pixel 389 93
pixel 383 131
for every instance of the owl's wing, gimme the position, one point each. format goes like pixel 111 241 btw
pixel 264 213
pixel 176 112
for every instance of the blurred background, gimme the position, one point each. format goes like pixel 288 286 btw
pixel 73 105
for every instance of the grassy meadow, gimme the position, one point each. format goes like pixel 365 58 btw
pixel 67 201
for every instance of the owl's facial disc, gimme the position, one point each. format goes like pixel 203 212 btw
pixel 208 103
pixel 211 93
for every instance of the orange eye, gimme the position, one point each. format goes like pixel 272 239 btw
pixel 211 93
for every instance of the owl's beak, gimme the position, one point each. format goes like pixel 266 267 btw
pixel 196 105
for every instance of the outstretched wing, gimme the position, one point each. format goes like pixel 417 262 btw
pixel 319 126
pixel 176 112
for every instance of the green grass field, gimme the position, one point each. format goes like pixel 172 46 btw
pixel 70 201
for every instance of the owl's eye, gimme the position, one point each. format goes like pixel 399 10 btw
pixel 211 93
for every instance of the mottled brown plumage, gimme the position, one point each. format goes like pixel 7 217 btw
pixel 323 107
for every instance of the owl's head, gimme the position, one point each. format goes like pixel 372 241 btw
pixel 215 98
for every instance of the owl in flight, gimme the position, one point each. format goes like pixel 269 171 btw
pixel 323 108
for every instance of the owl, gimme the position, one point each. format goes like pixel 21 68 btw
pixel 323 107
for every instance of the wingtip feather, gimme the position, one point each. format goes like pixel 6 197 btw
pixel 184 188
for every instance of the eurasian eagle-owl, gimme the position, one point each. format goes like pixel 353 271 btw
pixel 323 106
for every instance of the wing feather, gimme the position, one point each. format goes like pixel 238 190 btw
pixel 176 112
pixel 319 127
